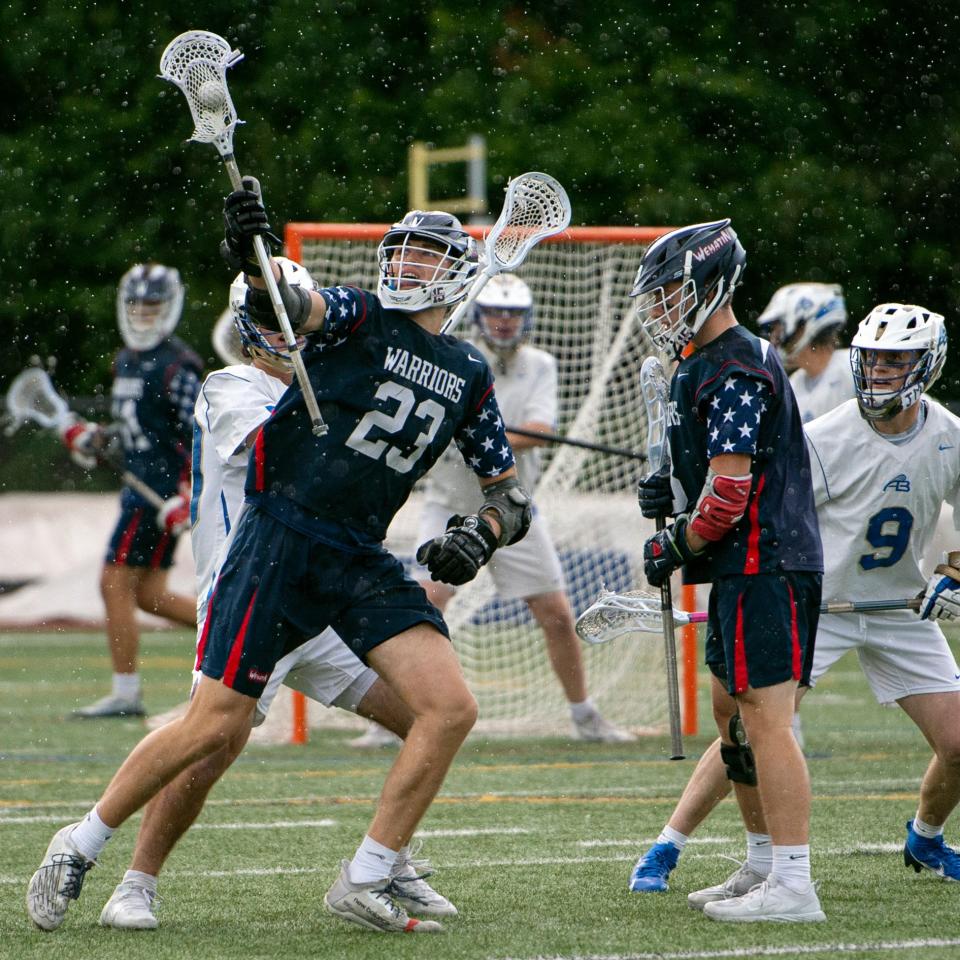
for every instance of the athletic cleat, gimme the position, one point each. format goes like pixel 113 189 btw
pixel 111 706
pixel 741 881
pixel 58 880
pixel 374 738
pixel 409 888
pixel 769 901
pixel 369 905
pixel 130 907
pixel 594 729
pixel 922 853
pixel 652 869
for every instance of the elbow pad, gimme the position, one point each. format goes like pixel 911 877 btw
pixel 512 506
pixel 296 302
pixel 722 504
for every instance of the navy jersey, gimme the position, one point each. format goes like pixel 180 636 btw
pixel 393 397
pixel 152 400
pixel 735 387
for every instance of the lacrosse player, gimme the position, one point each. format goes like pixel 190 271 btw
pixel 232 406
pixel 882 467
pixel 803 321
pixel 744 522
pixel 307 552
pixel 526 380
pixel 155 383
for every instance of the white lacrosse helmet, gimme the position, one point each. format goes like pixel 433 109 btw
pixel 799 313
pixel 896 328
pixel 149 304
pixel 226 339
pixel 258 342
pixel 503 312
pixel 426 260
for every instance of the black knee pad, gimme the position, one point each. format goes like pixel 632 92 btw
pixel 739 761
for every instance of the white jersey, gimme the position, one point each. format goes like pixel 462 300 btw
pixel 878 502
pixel 526 393
pixel 819 395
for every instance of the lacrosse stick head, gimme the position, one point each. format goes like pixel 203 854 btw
pixel 197 63
pixel 31 396
pixel 656 395
pixel 613 615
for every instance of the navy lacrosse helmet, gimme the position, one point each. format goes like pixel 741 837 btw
pixel 149 303
pixel 432 239
pixel 701 265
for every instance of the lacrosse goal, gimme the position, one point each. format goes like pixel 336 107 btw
pixel 580 282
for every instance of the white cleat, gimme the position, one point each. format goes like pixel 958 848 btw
pixel 130 907
pixel 741 881
pixel 369 905
pixel 409 889
pixel 58 880
pixel 769 901
pixel 111 706
pixel 375 738
pixel 594 729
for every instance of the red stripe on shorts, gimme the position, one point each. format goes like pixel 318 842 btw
pixel 158 553
pixel 740 678
pixel 205 632
pixel 794 636
pixel 258 458
pixel 236 651
pixel 752 563
pixel 126 541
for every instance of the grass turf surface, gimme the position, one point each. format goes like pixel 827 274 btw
pixel 534 839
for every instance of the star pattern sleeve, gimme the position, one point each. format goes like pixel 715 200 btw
pixel 482 437
pixel 182 389
pixel 347 311
pixel 733 413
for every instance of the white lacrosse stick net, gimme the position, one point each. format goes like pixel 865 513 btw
pixel 32 396
pixel 197 63
pixel 613 615
pixel 536 207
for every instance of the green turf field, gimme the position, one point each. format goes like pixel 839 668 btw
pixel 535 840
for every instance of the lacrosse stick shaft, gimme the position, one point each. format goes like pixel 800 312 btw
pixel 136 484
pixel 670 660
pixel 466 303
pixel 299 368
pixel 570 442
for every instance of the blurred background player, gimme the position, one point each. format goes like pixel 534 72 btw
pixel 232 406
pixel 803 321
pixel 156 377
pixel 526 382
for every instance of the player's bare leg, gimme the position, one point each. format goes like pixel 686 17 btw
pixel 154 597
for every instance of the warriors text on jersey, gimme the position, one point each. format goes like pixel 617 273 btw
pixel 152 401
pixel 393 397
pixel 732 396
pixel 878 502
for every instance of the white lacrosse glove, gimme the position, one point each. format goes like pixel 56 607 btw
pixel 83 439
pixel 174 516
pixel 941 600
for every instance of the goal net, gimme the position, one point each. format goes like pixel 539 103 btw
pixel 580 282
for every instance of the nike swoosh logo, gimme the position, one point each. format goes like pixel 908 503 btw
pixel 956 676
pixel 473 359
pixel 945 446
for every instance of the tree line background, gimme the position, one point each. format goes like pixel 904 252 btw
pixel 828 130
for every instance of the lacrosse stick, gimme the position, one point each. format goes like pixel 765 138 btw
pixel 196 62
pixel 582 444
pixel 653 385
pixel 32 397
pixel 612 615
pixel 536 207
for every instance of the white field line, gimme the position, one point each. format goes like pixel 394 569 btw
pixel 641 843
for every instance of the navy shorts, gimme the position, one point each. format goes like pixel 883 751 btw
pixel 137 541
pixel 279 587
pixel 761 628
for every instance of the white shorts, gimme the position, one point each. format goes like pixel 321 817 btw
pixel 526 569
pixel 900 655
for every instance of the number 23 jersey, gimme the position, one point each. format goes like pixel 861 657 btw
pixel 878 502
pixel 393 397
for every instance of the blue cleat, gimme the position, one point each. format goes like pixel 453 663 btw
pixel 923 853
pixel 652 869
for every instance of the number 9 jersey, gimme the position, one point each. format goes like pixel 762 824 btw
pixel 878 501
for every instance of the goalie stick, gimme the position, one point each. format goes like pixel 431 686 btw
pixel 535 207
pixel 196 63
pixel 653 384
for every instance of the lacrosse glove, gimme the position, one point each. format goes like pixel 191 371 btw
pixel 457 556
pixel 174 516
pixel 244 217
pixel 667 551
pixel 84 440
pixel 655 494
pixel 941 600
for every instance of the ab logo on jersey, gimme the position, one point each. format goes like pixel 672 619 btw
pixel 900 484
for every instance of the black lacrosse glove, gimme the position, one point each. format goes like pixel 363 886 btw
pixel 244 217
pixel 667 551
pixel 655 494
pixel 457 556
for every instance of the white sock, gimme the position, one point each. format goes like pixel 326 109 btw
pixel 760 853
pixel 924 829
pixel 90 835
pixel 126 686
pixel 791 866
pixel 669 835
pixel 372 861
pixel 146 880
pixel 583 710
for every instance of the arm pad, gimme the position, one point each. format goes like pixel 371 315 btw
pixel 722 503
pixel 296 302
pixel 512 506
